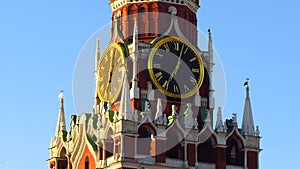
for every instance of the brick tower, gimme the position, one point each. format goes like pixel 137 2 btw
pixel 154 99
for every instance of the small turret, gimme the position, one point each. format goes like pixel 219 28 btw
pixel 61 122
pixel 125 111
pixel 97 59
pixel 134 91
pixel 248 124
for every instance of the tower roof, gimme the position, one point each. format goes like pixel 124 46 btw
pixel 248 124
pixel 61 122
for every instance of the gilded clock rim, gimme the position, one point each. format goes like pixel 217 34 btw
pixel 122 55
pixel 155 47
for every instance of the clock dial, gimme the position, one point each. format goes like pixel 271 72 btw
pixel 110 75
pixel 176 67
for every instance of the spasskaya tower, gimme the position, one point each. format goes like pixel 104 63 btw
pixel 154 99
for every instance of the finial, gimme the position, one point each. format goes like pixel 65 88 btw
pixel 234 118
pixel 174 113
pixel 61 96
pixel 208 30
pixel 257 132
pixel 97 54
pixel 246 83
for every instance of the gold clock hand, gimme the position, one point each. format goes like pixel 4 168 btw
pixel 177 65
pixel 110 71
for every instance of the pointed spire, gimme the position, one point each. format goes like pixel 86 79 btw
pixel 135 36
pixel 188 117
pixel 210 71
pixel 97 54
pixel 248 124
pixel 219 124
pixel 125 111
pixel 61 122
pixel 210 46
pixel 97 59
pixel 174 111
pixel 134 91
pixel 159 114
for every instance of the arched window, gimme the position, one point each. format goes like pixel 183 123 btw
pixel 142 10
pixel 62 163
pixel 206 151
pixel 234 153
pixel 144 139
pixel 175 145
pixel 86 163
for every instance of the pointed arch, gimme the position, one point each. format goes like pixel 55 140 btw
pixel 146 132
pixel 234 151
pixel 175 136
pixel 206 151
pixel 62 163
pixel 109 147
pixel 87 162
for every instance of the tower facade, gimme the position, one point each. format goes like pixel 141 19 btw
pixel 154 99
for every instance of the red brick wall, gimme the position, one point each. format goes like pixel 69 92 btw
pixel 191 154
pixel 252 158
pixel 220 158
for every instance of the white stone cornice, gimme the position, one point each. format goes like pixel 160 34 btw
pixel 191 4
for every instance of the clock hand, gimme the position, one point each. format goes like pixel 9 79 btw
pixel 177 66
pixel 110 72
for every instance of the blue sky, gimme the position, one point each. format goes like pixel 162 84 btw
pixel 40 42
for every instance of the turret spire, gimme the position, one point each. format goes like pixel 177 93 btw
pixel 248 124
pixel 97 59
pixel 125 111
pixel 61 123
pixel 210 74
pixel 134 92
pixel 219 124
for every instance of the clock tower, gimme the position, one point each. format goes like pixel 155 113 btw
pixel 154 99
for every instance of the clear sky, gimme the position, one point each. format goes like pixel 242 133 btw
pixel 40 42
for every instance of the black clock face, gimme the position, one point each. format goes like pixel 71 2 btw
pixel 176 67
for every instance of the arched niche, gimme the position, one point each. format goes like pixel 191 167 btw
pixel 234 151
pixel 87 162
pixel 146 132
pixel 206 151
pixel 62 162
pixel 175 145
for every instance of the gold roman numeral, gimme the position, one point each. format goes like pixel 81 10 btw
pixel 158 76
pixel 156 65
pixel 186 89
pixel 166 85
pixel 176 46
pixel 195 70
pixel 175 89
pixel 167 47
pixel 193 80
pixel 193 59
pixel 186 50
pixel 158 54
